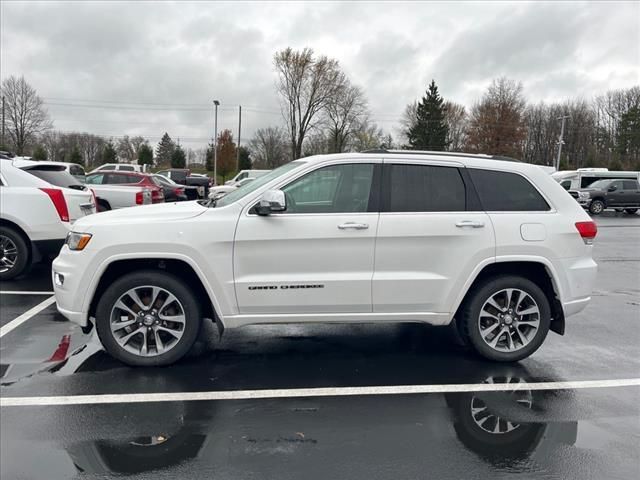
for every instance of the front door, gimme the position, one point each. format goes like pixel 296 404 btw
pixel 317 256
pixel 617 197
pixel 429 240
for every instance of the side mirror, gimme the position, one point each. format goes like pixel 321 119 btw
pixel 272 201
pixel 612 188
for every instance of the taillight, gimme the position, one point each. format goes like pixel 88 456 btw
pixel 179 191
pixel 157 195
pixel 139 198
pixel 57 197
pixel 588 231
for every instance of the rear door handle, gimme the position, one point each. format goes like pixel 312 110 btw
pixel 353 225
pixel 469 223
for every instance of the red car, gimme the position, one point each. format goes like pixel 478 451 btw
pixel 129 178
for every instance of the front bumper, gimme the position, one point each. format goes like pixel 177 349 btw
pixel 70 294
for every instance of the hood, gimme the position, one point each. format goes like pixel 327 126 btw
pixel 140 215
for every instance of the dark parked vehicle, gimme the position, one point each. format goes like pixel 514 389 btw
pixel 183 176
pixel 622 195
pixel 174 192
pixel 128 178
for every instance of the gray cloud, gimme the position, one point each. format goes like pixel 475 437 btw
pixel 190 53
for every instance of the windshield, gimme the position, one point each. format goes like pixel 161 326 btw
pixel 600 184
pixel 257 183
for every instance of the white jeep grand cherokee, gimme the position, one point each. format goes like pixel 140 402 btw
pixel 497 247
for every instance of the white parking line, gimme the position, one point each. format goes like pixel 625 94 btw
pixel 23 292
pixel 309 392
pixel 16 322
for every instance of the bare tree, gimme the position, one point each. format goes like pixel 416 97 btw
pixel 344 113
pixel 496 124
pixel 408 120
pixel 368 136
pixel 125 150
pixel 306 86
pixel 268 148
pixel 26 116
pixel 455 116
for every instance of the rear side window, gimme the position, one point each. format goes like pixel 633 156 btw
pixel 126 168
pixel 76 170
pixel 506 192
pixel 425 188
pixel 630 185
pixel 114 178
pixel 55 175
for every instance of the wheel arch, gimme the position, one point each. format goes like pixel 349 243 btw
pixel 538 271
pixel 20 231
pixel 181 268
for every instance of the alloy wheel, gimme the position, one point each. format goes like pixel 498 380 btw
pixel 509 320
pixel 8 254
pixel 147 321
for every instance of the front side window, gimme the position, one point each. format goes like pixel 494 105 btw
pixel 425 188
pixel 95 179
pixel 506 192
pixel 333 189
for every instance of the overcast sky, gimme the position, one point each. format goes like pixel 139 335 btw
pixel 156 67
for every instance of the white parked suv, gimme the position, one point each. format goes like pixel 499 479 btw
pixel 497 247
pixel 39 201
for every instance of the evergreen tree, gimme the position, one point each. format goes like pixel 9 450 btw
pixel 164 151
pixel 145 155
pixel 244 162
pixel 39 153
pixel 109 154
pixel 178 158
pixel 208 159
pixel 429 131
pixel 76 156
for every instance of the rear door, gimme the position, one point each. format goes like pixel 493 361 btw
pixel 632 190
pixel 431 235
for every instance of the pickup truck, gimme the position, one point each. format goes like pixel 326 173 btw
pixel 111 197
pixel 622 195
pixel 183 176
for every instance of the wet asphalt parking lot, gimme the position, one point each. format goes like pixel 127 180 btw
pixel 572 410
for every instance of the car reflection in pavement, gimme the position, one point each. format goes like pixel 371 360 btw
pixel 445 433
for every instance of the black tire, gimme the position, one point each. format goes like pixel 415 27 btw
pixel 165 280
pixel 631 211
pixel 103 206
pixel 23 257
pixel 471 313
pixel 596 207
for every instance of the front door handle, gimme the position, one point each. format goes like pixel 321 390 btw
pixel 470 223
pixel 353 225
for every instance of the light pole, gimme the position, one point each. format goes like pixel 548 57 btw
pixel 561 141
pixel 215 144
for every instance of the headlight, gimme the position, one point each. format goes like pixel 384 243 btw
pixel 77 241
pixel 583 194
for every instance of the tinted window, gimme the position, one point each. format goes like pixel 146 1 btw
pixel 630 185
pixel 114 178
pixel 95 179
pixel 617 184
pixel 425 188
pixel 126 168
pixel 566 184
pixel 55 175
pixel 76 170
pixel 586 181
pixel 506 192
pixel 333 189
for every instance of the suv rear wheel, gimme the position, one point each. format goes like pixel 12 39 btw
pixel 506 318
pixel 148 318
pixel 14 254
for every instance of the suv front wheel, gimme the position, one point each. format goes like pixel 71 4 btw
pixel 596 207
pixel 506 318
pixel 148 318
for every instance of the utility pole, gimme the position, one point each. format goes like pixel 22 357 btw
pixel 561 140
pixel 239 130
pixel 3 105
pixel 215 144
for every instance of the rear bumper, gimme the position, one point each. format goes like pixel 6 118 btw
pixel 580 280
pixel 575 306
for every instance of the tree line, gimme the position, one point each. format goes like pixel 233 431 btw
pixel 324 112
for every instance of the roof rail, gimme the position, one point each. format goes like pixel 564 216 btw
pixel 443 154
